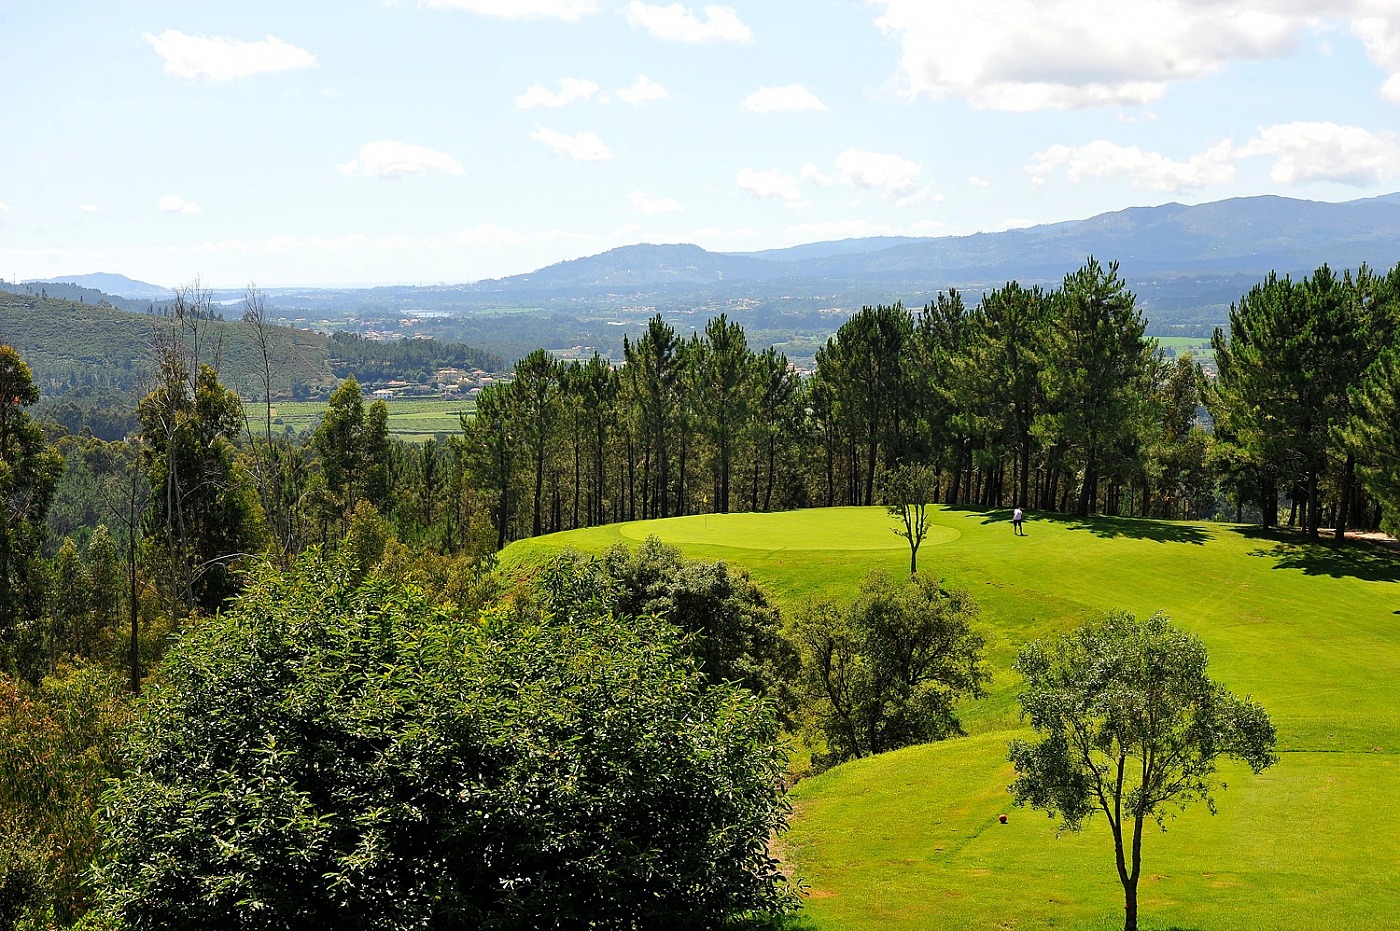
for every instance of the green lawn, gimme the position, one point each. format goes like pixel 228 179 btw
pixel 910 840
pixel 411 420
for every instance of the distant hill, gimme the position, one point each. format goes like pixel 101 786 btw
pixel 1181 259
pixel 67 291
pixel 117 285
pixel 72 345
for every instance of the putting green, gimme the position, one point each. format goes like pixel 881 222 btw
pixel 910 841
pixel 823 529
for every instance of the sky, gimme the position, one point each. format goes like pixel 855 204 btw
pixel 368 142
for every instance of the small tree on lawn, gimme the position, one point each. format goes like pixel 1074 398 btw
pixel 908 489
pixel 1131 726
pixel 888 670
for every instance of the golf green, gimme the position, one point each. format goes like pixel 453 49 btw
pixel 909 841
pixel 829 529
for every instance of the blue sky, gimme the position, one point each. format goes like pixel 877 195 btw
pixel 427 141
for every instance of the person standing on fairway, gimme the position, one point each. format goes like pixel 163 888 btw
pixel 1016 517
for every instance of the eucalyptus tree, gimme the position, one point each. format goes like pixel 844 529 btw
pixel 1176 468
pixel 29 472
pixel 202 505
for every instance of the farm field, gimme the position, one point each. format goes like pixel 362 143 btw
pixel 1200 348
pixel 412 420
pixel 910 840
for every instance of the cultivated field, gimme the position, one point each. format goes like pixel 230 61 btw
pixel 910 840
pixel 410 420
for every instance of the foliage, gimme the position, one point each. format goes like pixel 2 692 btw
pixel 379 360
pixel 1373 432
pixel 1132 726
pixel 732 629
pixel 338 755
pixel 29 471
pixel 203 507
pixel 57 751
pixel 887 670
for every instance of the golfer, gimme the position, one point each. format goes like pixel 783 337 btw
pixel 1016 518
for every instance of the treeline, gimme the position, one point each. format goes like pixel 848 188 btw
pixel 1051 399
pixel 409 359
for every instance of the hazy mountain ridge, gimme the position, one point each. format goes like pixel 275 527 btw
pixel 1187 264
pixel 110 284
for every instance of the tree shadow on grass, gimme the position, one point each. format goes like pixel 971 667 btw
pixel 1355 559
pixel 1133 528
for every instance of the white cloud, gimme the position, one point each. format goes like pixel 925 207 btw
pixel 219 58
pixel 676 23
pixel 812 173
pixel 1047 54
pixel 1306 152
pixel 388 159
pixel 173 203
pixel 89 208
pixel 567 91
pixel 583 147
pixel 770 185
pixel 4 207
pixel 1380 34
pixel 791 99
pixel 642 92
pixel 891 175
pixel 976 181
pixel 645 203
pixel 1103 159
pixel 568 10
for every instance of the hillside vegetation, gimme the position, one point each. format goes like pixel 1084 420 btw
pixel 911 840
pixel 70 345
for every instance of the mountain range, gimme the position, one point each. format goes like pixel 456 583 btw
pixel 1187 264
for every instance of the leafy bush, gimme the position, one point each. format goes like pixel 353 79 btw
pixel 885 671
pixel 333 754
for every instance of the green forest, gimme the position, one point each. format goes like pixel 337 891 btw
pixel 255 679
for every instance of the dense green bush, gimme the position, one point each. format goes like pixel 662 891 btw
pixel 333 754
pixel 886 671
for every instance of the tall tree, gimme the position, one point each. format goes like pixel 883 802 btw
pixel 29 471
pixel 1372 433
pixel 724 367
pixel 1131 726
pixel 652 373
pixel 1293 350
pixel 1093 377
pixel 535 397
pixel 202 504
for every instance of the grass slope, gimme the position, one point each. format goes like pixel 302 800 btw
pixel 910 840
